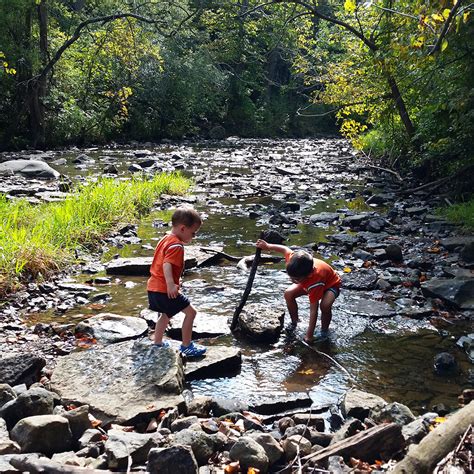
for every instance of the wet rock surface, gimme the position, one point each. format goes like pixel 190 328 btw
pixel 407 276
pixel 121 382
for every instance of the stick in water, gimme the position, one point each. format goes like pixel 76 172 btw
pixel 272 237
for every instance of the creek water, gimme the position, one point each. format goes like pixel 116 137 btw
pixel 390 357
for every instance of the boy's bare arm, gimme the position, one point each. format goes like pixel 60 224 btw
pixel 171 287
pixel 283 249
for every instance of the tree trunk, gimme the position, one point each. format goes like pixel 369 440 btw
pixel 400 104
pixel 38 88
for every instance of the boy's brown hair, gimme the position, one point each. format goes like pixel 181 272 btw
pixel 185 216
pixel 300 264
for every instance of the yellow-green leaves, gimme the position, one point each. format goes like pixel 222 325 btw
pixel 4 64
pixel 350 6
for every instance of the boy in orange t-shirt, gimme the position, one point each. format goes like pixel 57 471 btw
pixel 310 276
pixel 164 283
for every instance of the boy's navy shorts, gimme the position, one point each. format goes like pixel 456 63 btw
pixel 170 306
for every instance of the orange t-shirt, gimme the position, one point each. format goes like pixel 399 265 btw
pixel 321 279
pixel 170 249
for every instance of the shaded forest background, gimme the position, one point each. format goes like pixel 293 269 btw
pixel 396 78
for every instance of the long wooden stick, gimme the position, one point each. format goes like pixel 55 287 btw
pixel 248 288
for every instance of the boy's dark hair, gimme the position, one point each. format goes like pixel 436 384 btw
pixel 300 264
pixel 185 216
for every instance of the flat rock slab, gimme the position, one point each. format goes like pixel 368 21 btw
pixel 360 280
pixel 364 305
pixel 457 291
pixel 21 368
pixel 125 382
pixel 218 361
pixel 452 243
pixel 261 323
pixel 29 169
pixel 110 328
pixel 204 325
pixel 281 404
pixel 6 467
pixel 140 266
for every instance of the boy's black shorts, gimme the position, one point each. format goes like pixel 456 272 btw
pixel 170 306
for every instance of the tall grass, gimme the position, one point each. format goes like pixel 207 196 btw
pixel 36 241
pixel 461 213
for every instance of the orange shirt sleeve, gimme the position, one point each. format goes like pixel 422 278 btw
pixel 174 254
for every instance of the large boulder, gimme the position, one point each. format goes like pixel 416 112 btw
pixel 7 446
pixel 249 453
pixel 201 443
pixel 124 382
pixel 457 291
pixel 393 412
pixel 47 434
pixel 358 403
pixel 36 401
pixel 261 323
pixel 172 460
pixel 121 444
pixel 6 394
pixel 110 328
pixel 29 169
pixel 21 368
pixel 272 447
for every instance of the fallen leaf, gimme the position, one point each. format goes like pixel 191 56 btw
pixel 232 468
pixel 96 306
pixel 347 270
pixel 306 372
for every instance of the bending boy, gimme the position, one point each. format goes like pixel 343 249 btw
pixel 163 285
pixel 310 276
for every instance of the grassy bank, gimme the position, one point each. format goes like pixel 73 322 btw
pixel 36 241
pixel 462 213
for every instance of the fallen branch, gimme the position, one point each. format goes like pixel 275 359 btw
pixel 271 237
pixel 379 442
pixel 422 458
pixel 387 170
pixel 439 182
pixel 231 258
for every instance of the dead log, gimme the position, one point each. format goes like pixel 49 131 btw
pixel 423 457
pixel 379 442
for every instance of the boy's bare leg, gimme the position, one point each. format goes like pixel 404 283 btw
pixel 313 318
pixel 291 293
pixel 326 309
pixel 187 328
pixel 160 328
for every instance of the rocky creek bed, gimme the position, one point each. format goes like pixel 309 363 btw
pixel 84 385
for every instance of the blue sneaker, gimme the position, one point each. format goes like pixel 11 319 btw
pixel 322 335
pixel 163 344
pixel 193 350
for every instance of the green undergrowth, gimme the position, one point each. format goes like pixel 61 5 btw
pixel 38 240
pixel 461 213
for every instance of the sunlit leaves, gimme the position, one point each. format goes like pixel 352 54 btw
pixel 350 6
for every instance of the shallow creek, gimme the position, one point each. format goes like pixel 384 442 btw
pixel 391 357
